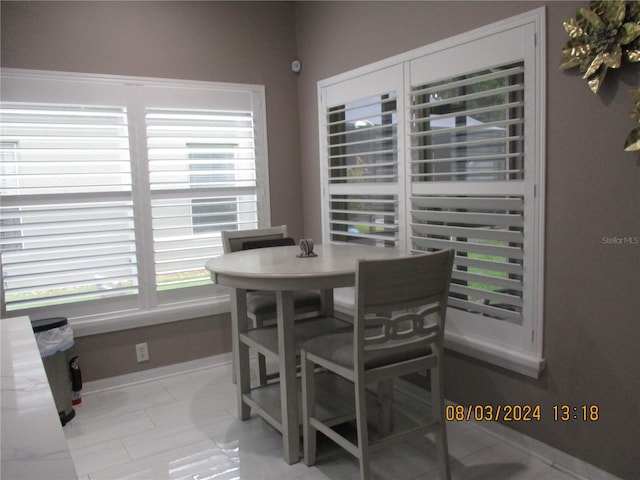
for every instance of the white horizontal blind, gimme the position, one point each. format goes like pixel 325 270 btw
pixel 115 190
pixel 67 212
pixel 362 137
pixel 469 127
pixel 202 169
pixel 366 219
pixel 468 130
pixel 486 233
pixel 362 170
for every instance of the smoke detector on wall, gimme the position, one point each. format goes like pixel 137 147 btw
pixel 296 66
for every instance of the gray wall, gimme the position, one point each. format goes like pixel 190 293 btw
pixel 592 289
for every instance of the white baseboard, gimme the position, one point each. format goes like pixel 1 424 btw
pixel 155 374
pixel 546 453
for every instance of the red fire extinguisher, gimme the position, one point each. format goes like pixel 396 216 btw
pixel 76 381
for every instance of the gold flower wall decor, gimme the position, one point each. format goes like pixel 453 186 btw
pixel 600 38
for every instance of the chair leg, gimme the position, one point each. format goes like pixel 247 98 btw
pixel 258 322
pixel 442 454
pixel 385 402
pixel 233 364
pixel 308 410
pixel 262 370
pixel 437 400
pixel 363 431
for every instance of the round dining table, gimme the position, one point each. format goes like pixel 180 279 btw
pixel 283 270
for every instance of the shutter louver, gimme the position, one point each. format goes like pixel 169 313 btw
pixel 368 219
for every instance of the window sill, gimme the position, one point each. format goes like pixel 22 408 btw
pixel 123 320
pixel 516 361
pixel 520 362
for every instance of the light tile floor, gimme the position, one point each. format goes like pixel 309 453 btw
pixel 184 427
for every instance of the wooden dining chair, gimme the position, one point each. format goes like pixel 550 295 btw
pixel 261 305
pixel 400 310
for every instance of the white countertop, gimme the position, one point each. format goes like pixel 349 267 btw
pixel 33 443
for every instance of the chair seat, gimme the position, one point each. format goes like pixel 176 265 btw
pixel 338 348
pixel 266 338
pixel 264 302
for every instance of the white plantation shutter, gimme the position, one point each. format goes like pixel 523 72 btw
pixel 361 137
pixel 368 219
pixel 202 169
pixel 486 233
pixel 466 131
pixel 67 212
pixel 469 128
pixel 468 151
pixel 475 172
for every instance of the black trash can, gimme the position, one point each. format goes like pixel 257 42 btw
pixel 54 337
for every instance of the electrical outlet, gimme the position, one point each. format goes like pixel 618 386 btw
pixel 142 352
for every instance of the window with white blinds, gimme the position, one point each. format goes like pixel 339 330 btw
pixel 115 190
pixel 465 143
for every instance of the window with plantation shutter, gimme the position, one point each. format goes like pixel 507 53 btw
pixel 67 212
pixel 115 191
pixel 469 156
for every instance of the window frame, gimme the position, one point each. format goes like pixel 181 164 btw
pixel 149 307
pixel 515 347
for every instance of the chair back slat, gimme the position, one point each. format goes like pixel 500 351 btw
pixel 413 280
pixel 401 327
pixel 233 240
pixel 402 302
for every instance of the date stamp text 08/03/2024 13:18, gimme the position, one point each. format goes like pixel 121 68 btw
pixel 521 413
